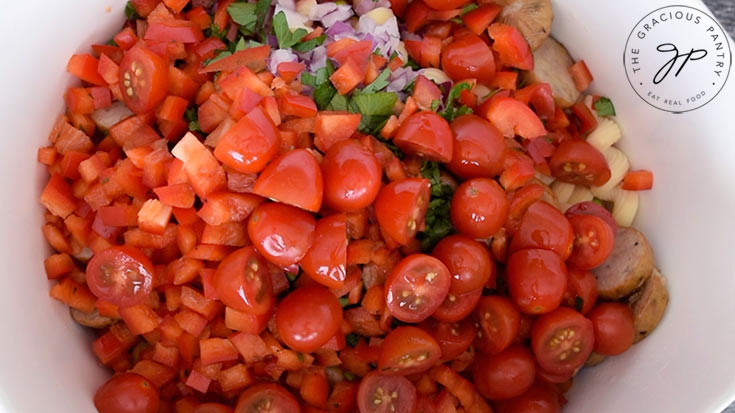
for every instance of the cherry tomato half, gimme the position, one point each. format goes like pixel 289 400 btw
pixel 401 208
pixel 213 408
pixel 143 79
pixel 468 57
pixel 120 275
pixel 281 233
pixel 242 282
pixel 581 290
pixel 540 398
pixel 326 260
pixel 577 162
pixel 295 179
pixel 453 338
pixel 408 350
pixel 468 261
pixel 498 321
pixel 127 393
pixel 504 375
pixel 445 4
pixel 386 394
pixel 593 241
pixel 537 280
pixel 562 340
pixel 545 227
pixel 308 317
pixel 426 135
pixel 416 287
pixel 592 208
pixel 352 176
pixel 479 208
pixel 266 398
pixel 250 144
pixel 455 307
pixel 479 148
pixel 613 325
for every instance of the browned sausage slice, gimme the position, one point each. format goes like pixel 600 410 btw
pixel 551 65
pixel 93 319
pixel 594 359
pixel 627 267
pixel 649 305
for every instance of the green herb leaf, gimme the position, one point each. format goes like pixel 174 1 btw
pixel 451 110
pixel 339 103
pixel 604 107
pixel 310 44
pixel 286 38
pixel 438 221
pixel 130 12
pixel 308 79
pixel 380 82
pixel 192 116
pixel 111 42
pixel 349 376
pixel 244 15
pixel 323 95
pixel 216 32
pixel 435 105
pixel 300 356
pixel 352 339
pixel 343 301
pixel 468 8
pixel 375 109
pixel 262 7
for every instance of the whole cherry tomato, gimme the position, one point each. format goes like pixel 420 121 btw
pixel 127 393
pixel 613 325
pixel 468 262
pixel 504 375
pixel 308 317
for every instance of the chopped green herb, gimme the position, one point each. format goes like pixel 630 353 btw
pixel 323 95
pixel 286 38
pixel 310 44
pixel 244 15
pixel 578 303
pixel 261 10
pixel 438 221
pixel 308 79
pixel 291 277
pixel 468 8
pixel 412 64
pixel 130 12
pixel 352 339
pixel 408 89
pixel 451 111
pixel 380 82
pixel 598 201
pixel 300 356
pixel 435 105
pixel 339 103
pixel 111 42
pixel 216 32
pixel 349 376
pixel 343 301
pixel 604 107
pixel 375 109
pixel 192 116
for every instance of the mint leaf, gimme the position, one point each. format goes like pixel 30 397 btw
pixel 310 44
pixel 604 107
pixel 130 12
pixel 286 38
pixel 380 82
pixel 375 109
pixel 244 15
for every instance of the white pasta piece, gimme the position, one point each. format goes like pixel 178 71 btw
pixel 619 165
pixel 605 135
pixel 625 207
pixel 580 194
pixel 563 191
pixel 546 179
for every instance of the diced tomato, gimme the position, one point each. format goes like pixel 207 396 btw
pixel 479 19
pixel 347 77
pixel 511 46
pixel 425 92
pixel 198 381
pixel 245 322
pixel 235 378
pixel 110 345
pixel 199 16
pixel 289 70
pixel 140 318
pixel 244 77
pixel 517 170
pixel 84 66
pixel 216 350
pixel 205 173
pixel 297 105
pixel 79 100
pixel 431 48
pixel 253 58
pixel 587 120
pixel 581 75
pixel 108 69
pixel 57 197
pixel 333 127
pixel 225 207
pixel 416 15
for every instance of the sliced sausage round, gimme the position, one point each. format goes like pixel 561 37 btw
pixel 627 267
pixel 93 319
pixel 649 305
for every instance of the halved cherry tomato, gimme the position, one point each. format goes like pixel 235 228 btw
pixel 445 4
pixel 401 208
pixel 539 96
pixel 593 241
pixel 143 79
pixel 266 398
pixel 592 208
pixel 479 208
pixel 250 144
pixel 242 282
pixel 498 321
pixel 505 375
pixel 539 398
pixel 479 148
pixel 213 408
pixel 352 176
pixel 127 393
pixel 468 57
pixel 453 338
pixel 562 340
pixel 295 179
pixel 581 290
pixel 427 135
pixel 512 117
pixel 455 307
pixel 613 326
pixel 468 261
pixel 577 162
pixel 416 287
pixel 380 393
pixel 308 317
pixel 120 275
pixel 408 350
pixel 545 227
pixel 326 260
pixel 281 233
pixel 519 203
pixel 537 279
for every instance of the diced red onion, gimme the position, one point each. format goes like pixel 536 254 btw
pixel 363 6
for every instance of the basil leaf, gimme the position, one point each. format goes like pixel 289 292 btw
pixel 605 107
pixel 310 44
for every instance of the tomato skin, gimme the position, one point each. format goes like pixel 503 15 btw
pixel 479 208
pixel 249 145
pixel 408 350
pixel 457 306
pixel 295 178
pixel 504 375
pixel 416 287
pixel 592 208
pixel 445 4
pixel 555 350
pixel 127 393
pixel 593 243
pixel 498 321
pixel 352 176
pixel 537 279
pixel 540 398
pixel 468 57
pixel 513 117
pixel 257 397
pixel 326 260
pixel 427 135
pixel 242 282
pixel 453 338
pixel 281 233
pixel 577 162
pixel 143 79
pixel 401 208
pixel 479 148
pixel 581 285
pixel 545 227
pixel 613 325
pixel 120 275
pixel 512 48
pixel 377 386
pixel 468 262
pixel 308 317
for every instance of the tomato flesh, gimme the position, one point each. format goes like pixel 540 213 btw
pixel 455 307
pixel 352 176
pixel 592 208
pixel 453 338
pixel 281 233
pixel 243 282
pixel 120 275
pixel 468 57
pixel 479 148
pixel 593 242
pixel 544 226
pixel 613 325
pixel 386 394
pixel 401 208
pixel 537 280
pixel 308 317
pixel 295 179
pixel 326 260
pixel 416 287
pixel 143 79
pixel 505 375
pixel 498 323
pixel 266 398
pixel 408 350
pixel 127 393
pixel 577 162
pixel 562 340
pixel 468 262
pixel 427 135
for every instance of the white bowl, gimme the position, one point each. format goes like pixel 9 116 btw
pixel 686 365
